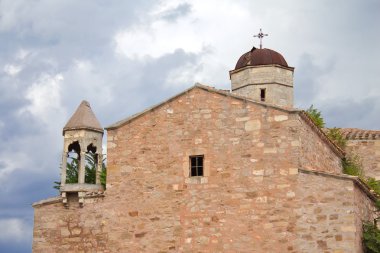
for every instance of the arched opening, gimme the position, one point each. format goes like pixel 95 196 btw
pixel 91 164
pixel 72 163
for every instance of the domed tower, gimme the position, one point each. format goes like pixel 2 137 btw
pixel 263 75
pixel 82 148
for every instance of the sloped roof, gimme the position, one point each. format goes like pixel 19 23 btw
pixel 337 150
pixel 360 134
pixel 83 118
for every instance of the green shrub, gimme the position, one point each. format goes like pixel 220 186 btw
pixel 371 238
pixel 377 205
pixel 352 166
pixel 373 184
pixel 316 116
pixel 336 136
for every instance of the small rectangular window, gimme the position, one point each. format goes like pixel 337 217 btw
pixel 262 95
pixel 196 166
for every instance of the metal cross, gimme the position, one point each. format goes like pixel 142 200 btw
pixel 260 35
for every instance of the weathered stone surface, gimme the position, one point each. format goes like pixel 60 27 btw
pixel 255 195
pixel 276 80
pixel 369 153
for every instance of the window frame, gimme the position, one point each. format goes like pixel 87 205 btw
pixel 199 166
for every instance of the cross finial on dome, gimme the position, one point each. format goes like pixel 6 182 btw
pixel 260 35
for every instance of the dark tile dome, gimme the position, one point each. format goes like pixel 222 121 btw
pixel 257 57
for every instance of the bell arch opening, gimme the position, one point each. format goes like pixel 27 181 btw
pixel 91 164
pixel 72 163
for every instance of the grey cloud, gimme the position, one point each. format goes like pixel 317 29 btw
pixel 15 124
pixel 147 78
pixel 173 14
pixel 15 248
pixel 307 79
pixel 348 113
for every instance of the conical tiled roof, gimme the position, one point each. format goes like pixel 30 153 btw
pixel 83 118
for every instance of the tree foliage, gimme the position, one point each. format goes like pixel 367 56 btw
pixel 316 116
pixel 90 172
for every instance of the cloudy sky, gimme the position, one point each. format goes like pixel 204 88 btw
pixel 123 56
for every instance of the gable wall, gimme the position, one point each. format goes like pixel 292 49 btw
pixel 247 159
pixel 251 155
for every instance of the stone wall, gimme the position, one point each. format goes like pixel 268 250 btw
pixel 316 153
pixel 261 75
pixel 69 230
pixel 330 216
pixel 277 80
pixel 248 156
pixel 274 93
pixel 245 201
pixel 364 211
pixel 252 197
pixel 369 153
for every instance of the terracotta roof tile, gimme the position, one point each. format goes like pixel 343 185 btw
pixel 83 118
pixel 360 134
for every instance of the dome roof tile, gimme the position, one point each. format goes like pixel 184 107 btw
pixel 257 57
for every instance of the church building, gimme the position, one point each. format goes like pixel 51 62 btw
pixel 210 170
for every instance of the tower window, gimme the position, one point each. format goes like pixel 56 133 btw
pixel 196 166
pixel 262 95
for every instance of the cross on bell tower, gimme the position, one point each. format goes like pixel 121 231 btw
pixel 260 35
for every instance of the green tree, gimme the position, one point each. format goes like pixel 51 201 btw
pixel 90 172
pixel 316 116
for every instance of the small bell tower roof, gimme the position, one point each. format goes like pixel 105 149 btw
pixel 83 118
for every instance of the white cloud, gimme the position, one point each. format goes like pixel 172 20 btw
pixel 89 82
pixel 156 39
pixel 211 36
pixel 185 74
pixel 11 161
pixel 12 70
pixel 22 54
pixel 45 98
pixel 14 229
pixel 83 65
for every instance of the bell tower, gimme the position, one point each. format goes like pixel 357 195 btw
pixel 263 75
pixel 82 155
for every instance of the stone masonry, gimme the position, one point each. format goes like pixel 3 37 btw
pixel 272 183
pixel 276 80
pixel 366 145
